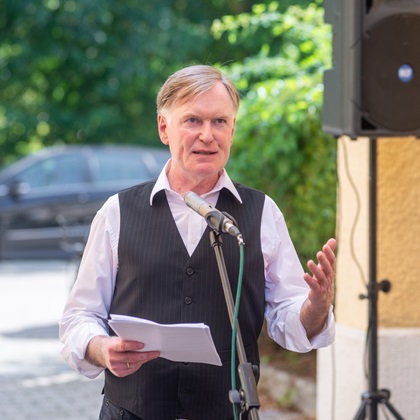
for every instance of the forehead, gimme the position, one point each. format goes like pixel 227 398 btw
pixel 215 100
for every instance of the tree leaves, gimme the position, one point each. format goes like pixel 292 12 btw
pixel 279 145
pixel 88 72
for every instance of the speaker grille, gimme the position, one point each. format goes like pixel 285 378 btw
pixel 390 91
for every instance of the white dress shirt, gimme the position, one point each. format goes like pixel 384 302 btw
pixel 87 308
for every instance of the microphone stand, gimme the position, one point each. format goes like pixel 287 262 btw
pixel 247 396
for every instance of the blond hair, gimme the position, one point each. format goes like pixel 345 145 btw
pixel 189 82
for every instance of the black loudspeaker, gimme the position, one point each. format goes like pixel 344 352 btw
pixel 373 87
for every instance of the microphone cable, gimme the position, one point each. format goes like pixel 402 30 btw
pixel 235 320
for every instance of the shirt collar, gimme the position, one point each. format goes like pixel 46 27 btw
pixel 224 181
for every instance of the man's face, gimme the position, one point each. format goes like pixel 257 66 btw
pixel 199 134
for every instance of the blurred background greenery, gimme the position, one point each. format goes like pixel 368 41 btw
pixel 85 72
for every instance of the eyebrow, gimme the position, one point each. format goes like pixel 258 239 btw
pixel 197 115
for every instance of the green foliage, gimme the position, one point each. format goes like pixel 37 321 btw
pixel 88 71
pixel 279 145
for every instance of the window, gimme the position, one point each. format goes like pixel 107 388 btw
pixel 55 171
pixel 120 166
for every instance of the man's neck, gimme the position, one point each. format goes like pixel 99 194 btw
pixel 199 185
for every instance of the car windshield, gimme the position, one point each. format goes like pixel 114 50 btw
pixel 54 171
pixel 112 165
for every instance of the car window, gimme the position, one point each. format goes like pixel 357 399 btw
pixel 54 171
pixel 120 166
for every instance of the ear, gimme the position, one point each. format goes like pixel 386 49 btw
pixel 163 129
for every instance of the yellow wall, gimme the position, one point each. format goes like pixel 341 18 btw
pixel 352 231
pixel 341 377
pixel 398 229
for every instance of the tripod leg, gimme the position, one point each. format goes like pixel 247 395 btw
pixel 361 413
pixel 392 410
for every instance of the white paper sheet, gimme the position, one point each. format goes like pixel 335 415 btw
pixel 176 342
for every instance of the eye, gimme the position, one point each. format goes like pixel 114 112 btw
pixel 192 120
pixel 220 121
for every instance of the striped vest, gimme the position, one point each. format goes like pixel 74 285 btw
pixel 158 280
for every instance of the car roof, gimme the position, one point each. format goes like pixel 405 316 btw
pixel 160 154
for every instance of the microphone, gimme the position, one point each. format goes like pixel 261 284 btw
pixel 217 220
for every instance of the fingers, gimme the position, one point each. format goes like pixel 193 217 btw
pixel 130 362
pixel 317 279
pixel 328 250
pixel 321 283
pixel 126 357
pixel 331 243
pixel 326 259
pixel 120 345
pixel 134 361
pixel 323 272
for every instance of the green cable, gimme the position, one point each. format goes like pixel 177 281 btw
pixel 235 317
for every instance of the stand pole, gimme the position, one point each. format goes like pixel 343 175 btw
pixel 373 397
pixel 248 396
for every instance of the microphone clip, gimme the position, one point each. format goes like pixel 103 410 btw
pixel 221 221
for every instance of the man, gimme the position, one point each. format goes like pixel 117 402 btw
pixel 148 255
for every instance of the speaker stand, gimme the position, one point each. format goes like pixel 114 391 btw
pixel 374 396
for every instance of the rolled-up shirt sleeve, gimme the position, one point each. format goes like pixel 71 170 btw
pixel 286 289
pixel 86 311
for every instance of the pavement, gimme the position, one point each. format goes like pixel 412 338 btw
pixel 35 383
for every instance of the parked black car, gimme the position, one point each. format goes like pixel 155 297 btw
pixel 48 199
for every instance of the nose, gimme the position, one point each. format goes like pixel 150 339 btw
pixel 206 132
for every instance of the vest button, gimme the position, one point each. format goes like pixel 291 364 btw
pixel 190 271
pixel 188 300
